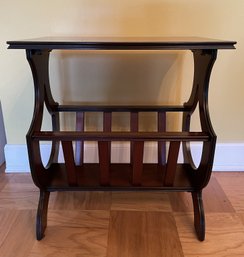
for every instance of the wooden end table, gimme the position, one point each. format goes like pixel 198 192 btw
pixel 166 175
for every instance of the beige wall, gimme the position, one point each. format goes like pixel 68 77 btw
pixel 118 77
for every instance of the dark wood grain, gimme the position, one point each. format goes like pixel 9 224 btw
pixel 104 162
pixel 134 126
pixel 69 162
pixel 138 148
pixel 79 145
pixel 174 148
pixel 104 151
pixel 122 136
pixel 121 43
pixel 161 144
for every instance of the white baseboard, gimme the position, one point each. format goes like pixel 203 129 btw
pixel 228 156
pixel 2 137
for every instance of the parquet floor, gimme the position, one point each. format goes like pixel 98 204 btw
pixel 128 224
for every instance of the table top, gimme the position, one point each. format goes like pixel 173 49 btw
pixel 121 43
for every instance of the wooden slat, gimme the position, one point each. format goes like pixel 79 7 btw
pixel 104 151
pixel 171 163
pixel 137 162
pixel 161 144
pixel 69 162
pixel 121 136
pixel 122 108
pixel 107 126
pixel 134 121
pixel 134 126
pixel 107 121
pixel 104 162
pixel 79 145
pixel 121 43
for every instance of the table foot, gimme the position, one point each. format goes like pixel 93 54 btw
pixel 199 218
pixel 41 218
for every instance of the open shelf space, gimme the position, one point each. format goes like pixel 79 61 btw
pixel 88 178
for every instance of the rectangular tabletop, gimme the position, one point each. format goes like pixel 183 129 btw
pixel 122 43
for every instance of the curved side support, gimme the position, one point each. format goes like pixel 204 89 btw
pixel 203 64
pixel 55 144
pixel 41 217
pixel 186 145
pixel 38 61
pixel 199 217
pixel 208 59
pixel 51 107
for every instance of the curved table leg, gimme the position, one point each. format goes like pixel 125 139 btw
pixel 199 217
pixel 41 218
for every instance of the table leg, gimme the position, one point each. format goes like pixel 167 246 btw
pixel 203 64
pixel 39 63
pixel 41 217
pixel 199 217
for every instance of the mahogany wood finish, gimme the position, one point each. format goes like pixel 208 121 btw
pixel 161 144
pixel 167 174
pixel 104 148
pixel 174 148
pixel 199 218
pixel 41 217
pixel 69 163
pixel 79 148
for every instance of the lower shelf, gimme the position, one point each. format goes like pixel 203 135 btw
pixel 120 178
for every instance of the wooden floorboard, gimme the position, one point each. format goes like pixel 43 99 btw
pixel 224 235
pixel 122 224
pixel 141 201
pixel 68 241
pixel 143 234
pixel 233 186
pixel 19 238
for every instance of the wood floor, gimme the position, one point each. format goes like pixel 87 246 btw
pixel 128 224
